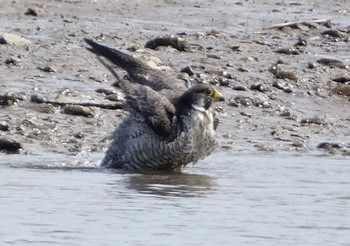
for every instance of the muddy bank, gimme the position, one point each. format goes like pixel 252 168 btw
pixel 283 66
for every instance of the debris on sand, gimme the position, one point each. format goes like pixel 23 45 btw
pixel 9 145
pixel 10 38
pixel 172 41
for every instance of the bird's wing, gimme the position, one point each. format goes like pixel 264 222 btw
pixel 157 110
pixel 139 72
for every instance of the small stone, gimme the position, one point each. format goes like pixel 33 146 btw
pixel 187 70
pixel 113 97
pixel 9 145
pixel 343 90
pixel 213 56
pixel 105 91
pixel 36 11
pixel 288 51
pixel 342 78
pixel 313 120
pixel 301 42
pixel 239 88
pixel 332 33
pixel 10 38
pixel 328 146
pixel 37 99
pixel 8 99
pixel 12 61
pixel 4 126
pixel 47 69
pixel 283 74
pixel 43 108
pixel 259 87
pixel 77 110
pixel 311 65
pixel 331 63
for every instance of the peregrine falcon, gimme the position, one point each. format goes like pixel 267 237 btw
pixel 169 125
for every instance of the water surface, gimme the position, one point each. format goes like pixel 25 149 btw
pixel 226 200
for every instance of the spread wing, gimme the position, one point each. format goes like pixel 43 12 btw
pixel 150 92
pixel 140 73
pixel 158 111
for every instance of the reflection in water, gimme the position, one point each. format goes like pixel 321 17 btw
pixel 175 184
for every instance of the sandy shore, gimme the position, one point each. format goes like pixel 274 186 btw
pixel 283 67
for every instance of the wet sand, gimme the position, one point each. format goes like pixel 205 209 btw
pixel 285 83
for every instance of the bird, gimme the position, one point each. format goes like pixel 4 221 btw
pixel 169 123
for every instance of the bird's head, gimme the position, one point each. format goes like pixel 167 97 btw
pixel 199 97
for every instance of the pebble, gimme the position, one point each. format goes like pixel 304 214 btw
pixel 9 145
pixel 326 145
pixel 47 69
pixel 343 90
pixel 213 56
pixel 313 120
pixel 36 11
pixel 105 91
pixel 283 74
pixel 113 97
pixel 9 99
pixel 37 99
pixel 12 61
pixel 332 33
pixel 342 78
pixel 187 70
pixel 4 126
pixel 331 63
pixel 301 42
pixel 43 108
pixel 288 51
pixel 259 87
pixel 10 38
pixel 77 110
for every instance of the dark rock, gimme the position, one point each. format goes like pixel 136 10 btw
pixel 342 78
pixel 326 145
pixel 172 41
pixel 37 99
pixel 12 61
pixel 259 87
pixel 332 33
pixel 9 145
pixel 47 69
pixel 9 99
pixel 187 70
pixel 311 65
pixel 4 126
pixel 313 120
pixel 239 88
pixel 301 42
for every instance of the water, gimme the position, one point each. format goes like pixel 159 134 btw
pixel 227 200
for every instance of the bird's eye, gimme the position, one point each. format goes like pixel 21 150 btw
pixel 209 92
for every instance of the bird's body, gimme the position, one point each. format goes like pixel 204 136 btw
pixel 168 126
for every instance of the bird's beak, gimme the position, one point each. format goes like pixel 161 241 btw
pixel 217 96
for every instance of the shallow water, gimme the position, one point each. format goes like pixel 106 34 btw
pixel 226 200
